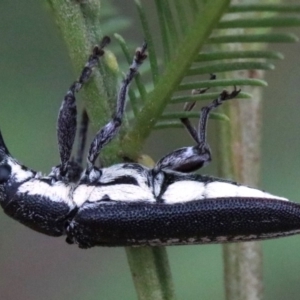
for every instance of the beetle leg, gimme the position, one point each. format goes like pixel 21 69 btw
pixel 189 159
pixel 82 137
pixel 109 131
pixel 188 106
pixel 205 111
pixel 66 123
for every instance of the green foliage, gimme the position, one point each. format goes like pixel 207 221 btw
pixel 189 33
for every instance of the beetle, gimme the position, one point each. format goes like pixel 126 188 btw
pixel 128 204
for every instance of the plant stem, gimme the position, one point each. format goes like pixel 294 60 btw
pixel 151 273
pixel 241 139
pixel 70 20
pixel 240 160
pixel 150 267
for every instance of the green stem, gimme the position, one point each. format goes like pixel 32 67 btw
pixel 149 38
pixel 151 273
pixel 72 24
pixel 150 268
pixel 128 56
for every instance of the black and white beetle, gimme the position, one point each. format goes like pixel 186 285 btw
pixel 130 205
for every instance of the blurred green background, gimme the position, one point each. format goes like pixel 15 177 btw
pixel 35 73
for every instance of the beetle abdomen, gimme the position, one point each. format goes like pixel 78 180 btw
pixel 216 220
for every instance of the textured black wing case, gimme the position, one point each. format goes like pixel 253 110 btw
pixel 201 221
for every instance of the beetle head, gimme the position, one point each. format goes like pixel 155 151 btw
pixel 12 173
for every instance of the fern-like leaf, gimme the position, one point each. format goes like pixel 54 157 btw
pixel 185 56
